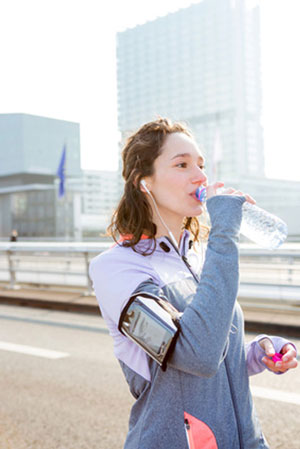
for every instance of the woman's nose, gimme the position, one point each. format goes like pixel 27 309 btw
pixel 199 175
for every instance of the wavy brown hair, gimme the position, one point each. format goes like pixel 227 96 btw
pixel 133 216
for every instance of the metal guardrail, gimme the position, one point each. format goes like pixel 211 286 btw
pixel 36 260
pixel 67 264
pixel 274 268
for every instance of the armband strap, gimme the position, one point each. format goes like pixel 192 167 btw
pixel 152 323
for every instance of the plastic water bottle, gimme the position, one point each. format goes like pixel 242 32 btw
pixel 258 225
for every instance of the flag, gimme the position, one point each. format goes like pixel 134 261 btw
pixel 217 155
pixel 61 173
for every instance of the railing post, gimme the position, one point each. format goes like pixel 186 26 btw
pixel 12 273
pixel 89 282
pixel 291 269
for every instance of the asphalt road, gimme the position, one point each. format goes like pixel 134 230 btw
pixel 61 387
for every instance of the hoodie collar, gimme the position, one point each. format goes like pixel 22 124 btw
pixel 184 244
pixel 164 244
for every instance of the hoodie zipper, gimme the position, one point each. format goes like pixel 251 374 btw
pixel 184 258
pixel 188 434
pixel 185 261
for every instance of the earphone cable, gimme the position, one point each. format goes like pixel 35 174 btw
pixel 163 222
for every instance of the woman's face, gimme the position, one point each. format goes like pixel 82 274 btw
pixel 178 172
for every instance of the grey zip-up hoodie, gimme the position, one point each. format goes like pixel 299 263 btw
pixel 202 400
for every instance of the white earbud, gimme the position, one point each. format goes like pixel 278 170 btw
pixel 143 182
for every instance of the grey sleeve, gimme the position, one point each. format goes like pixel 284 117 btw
pixel 206 322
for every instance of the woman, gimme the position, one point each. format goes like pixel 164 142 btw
pixel 176 325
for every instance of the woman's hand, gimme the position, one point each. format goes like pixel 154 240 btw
pixel 212 190
pixel 288 360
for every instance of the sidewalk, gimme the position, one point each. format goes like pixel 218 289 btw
pixel 257 319
pixel 58 300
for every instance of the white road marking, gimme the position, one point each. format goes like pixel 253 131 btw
pixel 276 395
pixel 30 350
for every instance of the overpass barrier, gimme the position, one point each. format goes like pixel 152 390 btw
pixel 263 274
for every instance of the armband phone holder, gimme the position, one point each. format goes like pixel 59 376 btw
pixel 153 324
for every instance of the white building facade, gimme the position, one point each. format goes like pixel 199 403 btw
pixel 100 195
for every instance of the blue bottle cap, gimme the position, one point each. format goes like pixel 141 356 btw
pixel 201 194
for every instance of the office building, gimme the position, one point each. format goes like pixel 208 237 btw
pixel 31 147
pixel 30 152
pixel 201 65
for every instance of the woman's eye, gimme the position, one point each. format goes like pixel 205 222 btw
pixel 184 165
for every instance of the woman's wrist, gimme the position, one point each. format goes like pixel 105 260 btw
pixel 225 211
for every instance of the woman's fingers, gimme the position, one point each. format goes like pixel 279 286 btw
pixel 232 191
pixel 280 367
pixel 212 190
pixel 270 364
pixel 269 350
pixel 287 362
pixel 249 198
pixel 289 355
pixel 218 185
pixel 267 346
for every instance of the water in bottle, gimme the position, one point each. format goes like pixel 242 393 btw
pixel 258 225
pixel 262 227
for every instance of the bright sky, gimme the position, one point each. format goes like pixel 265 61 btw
pixel 58 60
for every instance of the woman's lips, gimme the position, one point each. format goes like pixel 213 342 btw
pixel 193 195
pixel 199 194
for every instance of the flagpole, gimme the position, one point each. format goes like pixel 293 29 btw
pixel 65 216
pixel 66 201
pixel 62 191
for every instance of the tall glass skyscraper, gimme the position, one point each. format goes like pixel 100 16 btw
pixel 200 65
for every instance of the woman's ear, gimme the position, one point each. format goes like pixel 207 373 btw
pixel 143 186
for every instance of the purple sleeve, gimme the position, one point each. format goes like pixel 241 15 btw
pixel 255 353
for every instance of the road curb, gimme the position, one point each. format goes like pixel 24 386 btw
pixel 272 328
pixel 65 306
pixel 251 325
